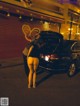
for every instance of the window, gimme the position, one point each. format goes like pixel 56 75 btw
pixel 76 46
pixel 18 0
pixel 73 0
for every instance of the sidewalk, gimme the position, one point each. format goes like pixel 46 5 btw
pixel 4 63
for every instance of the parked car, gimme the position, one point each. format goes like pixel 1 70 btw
pixel 59 54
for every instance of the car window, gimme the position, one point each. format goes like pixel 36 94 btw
pixel 53 41
pixel 51 45
pixel 76 46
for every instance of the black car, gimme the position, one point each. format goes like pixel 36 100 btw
pixel 59 54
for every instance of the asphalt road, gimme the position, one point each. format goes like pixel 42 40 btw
pixel 52 90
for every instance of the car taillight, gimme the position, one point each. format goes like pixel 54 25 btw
pixel 54 56
pixel 49 57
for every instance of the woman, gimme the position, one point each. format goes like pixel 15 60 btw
pixel 33 62
pixel 32 36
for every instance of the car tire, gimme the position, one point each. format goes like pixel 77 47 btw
pixel 71 69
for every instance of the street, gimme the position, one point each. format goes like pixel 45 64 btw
pixel 52 90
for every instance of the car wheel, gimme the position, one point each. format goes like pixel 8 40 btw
pixel 72 70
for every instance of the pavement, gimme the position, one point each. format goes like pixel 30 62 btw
pixel 52 90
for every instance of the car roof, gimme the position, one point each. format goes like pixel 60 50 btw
pixel 50 34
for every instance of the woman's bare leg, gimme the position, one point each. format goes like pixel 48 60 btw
pixel 36 62
pixel 30 65
pixel 30 76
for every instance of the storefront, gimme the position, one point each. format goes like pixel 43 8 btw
pixel 12 18
pixel 73 23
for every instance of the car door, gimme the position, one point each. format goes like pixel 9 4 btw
pixel 76 52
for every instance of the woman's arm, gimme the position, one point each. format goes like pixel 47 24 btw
pixel 30 49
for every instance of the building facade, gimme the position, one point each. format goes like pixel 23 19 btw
pixel 61 16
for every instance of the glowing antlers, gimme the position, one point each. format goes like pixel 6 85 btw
pixel 35 33
pixel 30 34
pixel 26 30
